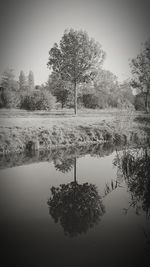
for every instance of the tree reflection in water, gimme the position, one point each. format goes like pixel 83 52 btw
pixel 135 167
pixel 64 165
pixel 77 207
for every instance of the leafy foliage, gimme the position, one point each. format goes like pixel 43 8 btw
pixel 37 100
pixel 31 80
pixel 140 100
pixel 77 207
pixel 106 92
pixel 126 94
pixel 76 56
pixel 135 167
pixel 90 101
pixel 59 88
pixel 9 95
pixel 10 99
pixel 64 165
pixel 8 80
pixel 22 81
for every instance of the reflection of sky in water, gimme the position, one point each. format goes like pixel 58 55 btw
pixel 29 232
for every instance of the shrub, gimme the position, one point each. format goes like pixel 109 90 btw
pixel 37 100
pixel 90 101
pixel 9 99
pixel 140 101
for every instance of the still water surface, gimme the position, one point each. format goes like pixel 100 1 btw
pixel 76 209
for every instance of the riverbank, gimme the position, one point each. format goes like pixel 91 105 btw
pixel 44 131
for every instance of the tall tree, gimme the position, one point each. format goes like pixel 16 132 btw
pixel 76 58
pixel 7 81
pixel 22 80
pixel 31 80
pixel 140 67
pixel 9 89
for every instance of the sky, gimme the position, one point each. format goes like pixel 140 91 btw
pixel 29 28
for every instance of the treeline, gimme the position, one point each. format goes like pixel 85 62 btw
pixel 103 92
pixel 23 94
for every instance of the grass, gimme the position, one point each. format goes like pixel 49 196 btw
pixel 22 130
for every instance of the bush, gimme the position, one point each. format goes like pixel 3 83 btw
pixel 90 101
pixel 140 101
pixel 37 100
pixel 9 99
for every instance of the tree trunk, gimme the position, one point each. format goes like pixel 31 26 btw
pixel 146 102
pixel 75 98
pixel 75 169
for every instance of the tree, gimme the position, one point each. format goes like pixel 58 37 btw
pixel 22 80
pixel 140 67
pixel 9 96
pixel 106 87
pixel 7 81
pixel 105 81
pixel 102 92
pixel 76 58
pixel 31 80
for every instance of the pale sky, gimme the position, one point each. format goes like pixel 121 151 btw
pixel 29 28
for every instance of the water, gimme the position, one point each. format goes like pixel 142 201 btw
pixel 78 207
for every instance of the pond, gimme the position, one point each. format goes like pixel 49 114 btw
pixel 85 206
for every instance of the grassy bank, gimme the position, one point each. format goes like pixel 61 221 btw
pixel 23 131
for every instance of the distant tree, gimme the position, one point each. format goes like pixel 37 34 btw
pixel 102 92
pixel 105 81
pixel 123 96
pixel 8 80
pixel 9 96
pixel 75 58
pixel 22 81
pixel 126 92
pixel 140 67
pixel 106 86
pixel 31 80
